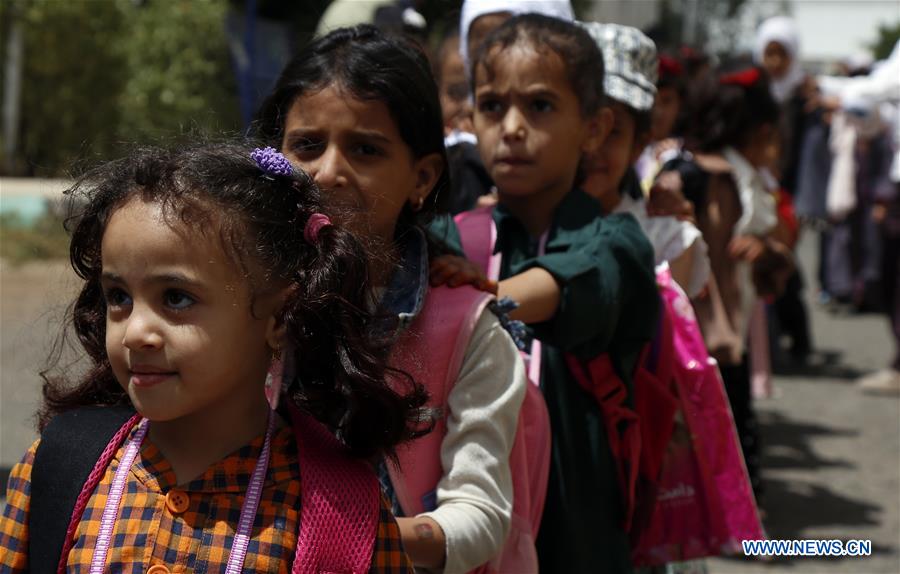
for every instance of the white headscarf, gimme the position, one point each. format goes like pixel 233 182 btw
pixel 783 30
pixel 474 9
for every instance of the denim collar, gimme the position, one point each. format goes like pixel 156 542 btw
pixel 405 295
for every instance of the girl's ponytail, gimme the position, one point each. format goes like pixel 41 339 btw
pixel 341 368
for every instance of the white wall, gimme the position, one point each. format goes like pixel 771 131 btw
pixel 638 13
pixel 830 30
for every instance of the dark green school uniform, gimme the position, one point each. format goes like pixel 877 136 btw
pixel 609 305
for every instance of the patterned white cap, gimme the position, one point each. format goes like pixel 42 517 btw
pixel 630 62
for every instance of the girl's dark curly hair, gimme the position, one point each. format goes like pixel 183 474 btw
pixel 341 371
pixel 369 65
pixel 727 113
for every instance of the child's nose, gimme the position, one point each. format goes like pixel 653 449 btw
pixel 514 125
pixel 330 172
pixel 142 331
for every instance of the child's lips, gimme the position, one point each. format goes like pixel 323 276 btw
pixel 148 376
pixel 513 161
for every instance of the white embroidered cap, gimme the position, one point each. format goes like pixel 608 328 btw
pixel 630 61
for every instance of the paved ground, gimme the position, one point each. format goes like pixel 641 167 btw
pixel 831 454
pixel 33 300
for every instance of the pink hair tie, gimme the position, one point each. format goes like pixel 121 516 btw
pixel 314 224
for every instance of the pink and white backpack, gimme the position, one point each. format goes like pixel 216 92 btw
pixel 432 350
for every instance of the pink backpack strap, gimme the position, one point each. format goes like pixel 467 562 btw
pixel 529 459
pixel 477 233
pixel 431 350
pixel 90 484
pixel 339 503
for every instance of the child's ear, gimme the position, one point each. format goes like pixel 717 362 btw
pixel 275 326
pixel 428 170
pixel 275 331
pixel 598 127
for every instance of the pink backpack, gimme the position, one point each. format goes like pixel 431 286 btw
pixel 339 509
pixel 441 333
pixel 704 505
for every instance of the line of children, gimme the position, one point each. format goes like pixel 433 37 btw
pixel 345 314
pixel 731 136
pixel 513 105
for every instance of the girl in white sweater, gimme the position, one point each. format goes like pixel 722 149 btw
pixel 360 113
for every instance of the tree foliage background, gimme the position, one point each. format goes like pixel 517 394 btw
pixel 888 35
pixel 98 75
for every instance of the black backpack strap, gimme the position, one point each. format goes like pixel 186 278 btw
pixel 69 449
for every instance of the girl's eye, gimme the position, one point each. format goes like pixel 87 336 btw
pixel 367 149
pixel 116 297
pixel 489 106
pixel 178 300
pixel 305 145
pixel 458 91
pixel 541 106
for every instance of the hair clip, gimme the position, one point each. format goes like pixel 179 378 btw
pixel 272 162
pixel 744 78
pixel 314 224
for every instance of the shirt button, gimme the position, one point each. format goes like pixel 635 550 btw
pixel 158 569
pixel 177 501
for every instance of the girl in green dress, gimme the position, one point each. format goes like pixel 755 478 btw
pixel 584 283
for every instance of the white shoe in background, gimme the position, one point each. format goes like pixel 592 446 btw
pixel 884 382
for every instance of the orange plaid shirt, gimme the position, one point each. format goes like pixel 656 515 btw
pixel 189 528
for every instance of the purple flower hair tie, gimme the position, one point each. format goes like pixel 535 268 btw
pixel 314 224
pixel 272 162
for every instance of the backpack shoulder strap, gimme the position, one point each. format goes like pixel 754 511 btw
pixel 478 236
pixel 70 447
pixel 339 503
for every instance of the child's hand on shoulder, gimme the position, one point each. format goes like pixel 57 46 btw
pixel 487 200
pixel 746 248
pixel 454 271
pixel 667 198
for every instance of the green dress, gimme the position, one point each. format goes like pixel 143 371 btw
pixel 609 305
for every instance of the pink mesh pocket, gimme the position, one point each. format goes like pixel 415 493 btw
pixel 339 504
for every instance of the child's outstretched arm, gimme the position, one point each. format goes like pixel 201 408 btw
pixel 537 293
pixel 574 297
pixel 14 521
pixel 536 290
pixel 605 285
